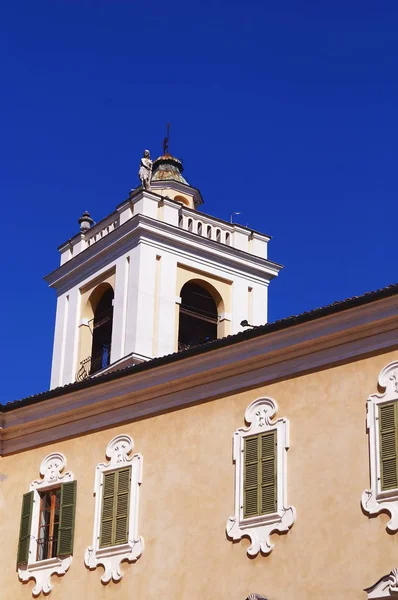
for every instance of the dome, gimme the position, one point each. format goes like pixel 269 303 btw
pixel 167 167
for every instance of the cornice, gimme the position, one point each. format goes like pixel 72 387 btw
pixel 188 380
pixel 141 228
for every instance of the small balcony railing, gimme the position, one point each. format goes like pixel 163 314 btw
pixel 93 364
pixel 47 547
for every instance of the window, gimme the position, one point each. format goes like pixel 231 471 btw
pixel 382 427
pixel 259 475
pixel 47 539
pixel 198 316
pixel 115 508
pixel 102 332
pixel 259 454
pixel 116 488
pixel 46 531
pixel 388 445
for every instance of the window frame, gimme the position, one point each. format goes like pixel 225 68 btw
pixel 51 524
pixel 41 570
pixel 376 500
pixel 119 454
pixel 259 416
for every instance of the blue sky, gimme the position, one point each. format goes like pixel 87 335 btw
pixel 285 111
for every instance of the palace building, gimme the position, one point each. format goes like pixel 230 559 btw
pixel 187 448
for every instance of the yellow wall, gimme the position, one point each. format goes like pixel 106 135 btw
pixel 333 550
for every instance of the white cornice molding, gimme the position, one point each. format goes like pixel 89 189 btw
pixel 141 228
pixel 51 475
pixel 323 342
pixel 119 454
pixel 374 500
pixel 259 417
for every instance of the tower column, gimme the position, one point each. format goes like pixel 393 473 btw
pixel 141 301
pixel 59 340
pixel 240 304
pixel 120 308
pixel 167 334
pixel 71 337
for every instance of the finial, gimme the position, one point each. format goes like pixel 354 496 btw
pixel 85 221
pixel 166 140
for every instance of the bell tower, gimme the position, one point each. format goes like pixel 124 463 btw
pixel 154 277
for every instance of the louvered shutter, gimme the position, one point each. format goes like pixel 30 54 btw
pixel 268 473
pixel 250 478
pixel 115 507
pixel 122 506
pixel 24 529
pixel 388 445
pixel 66 519
pixel 108 499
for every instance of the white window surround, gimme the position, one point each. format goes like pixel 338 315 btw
pixel 259 416
pixel 119 453
pixel 386 587
pixel 374 500
pixel 50 470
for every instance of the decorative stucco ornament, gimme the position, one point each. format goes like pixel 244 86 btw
pixel 51 474
pixel 259 416
pixel 375 500
pixel 256 597
pixel 386 587
pixel 145 172
pixel 119 453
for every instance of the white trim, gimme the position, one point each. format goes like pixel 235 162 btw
pixel 51 476
pixel 374 500
pixel 259 416
pixel 119 453
pixel 386 587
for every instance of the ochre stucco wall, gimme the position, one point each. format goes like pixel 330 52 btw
pixel 333 550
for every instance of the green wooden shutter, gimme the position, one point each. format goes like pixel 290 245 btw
pixel 250 479
pixel 388 445
pixel 260 477
pixel 268 473
pixel 24 529
pixel 115 507
pixel 66 518
pixel 121 529
pixel 108 499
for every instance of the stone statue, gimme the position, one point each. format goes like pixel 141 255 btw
pixel 145 172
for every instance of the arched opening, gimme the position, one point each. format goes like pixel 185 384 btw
pixel 199 228
pixel 182 199
pixel 198 316
pixel 218 235
pixel 102 331
pixel 190 224
pixel 209 232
